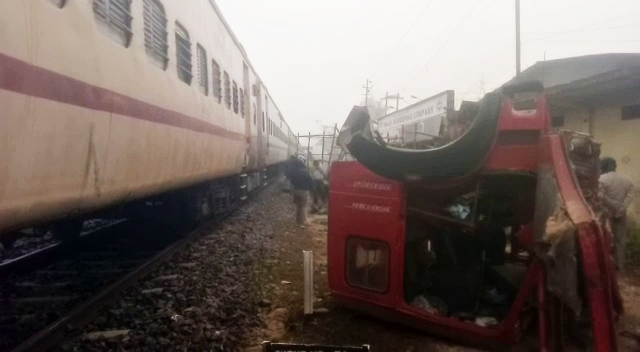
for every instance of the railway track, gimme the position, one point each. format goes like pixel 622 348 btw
pixel 59 287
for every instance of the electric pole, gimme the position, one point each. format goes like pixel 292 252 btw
pixel 397 97
pixel 398 101
pixel 517 37
pixel 367 88
pixel 386 100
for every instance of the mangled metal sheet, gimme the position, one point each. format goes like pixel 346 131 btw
pixel 455 159
pixel 555 235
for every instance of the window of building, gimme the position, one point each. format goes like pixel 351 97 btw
pixel 557 121
pixel 241 103
pixel 217 81
pixel 59 3
pixel 114 17
pixel 631 112
pixel 183 54
pixel 255 114
pixel 263 122
pixel 236 106
pixel 367 264
pixel 203 75
pixel 155 33
pixel 227 90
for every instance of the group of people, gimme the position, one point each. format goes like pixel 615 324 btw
pixel 617 194
pixel 304 183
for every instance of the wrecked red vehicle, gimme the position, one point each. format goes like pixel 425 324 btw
pixel 484 240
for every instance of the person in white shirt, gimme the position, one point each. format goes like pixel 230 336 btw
pixel 617 196
pixel 319 189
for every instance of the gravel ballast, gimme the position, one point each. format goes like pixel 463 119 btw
pixel 205 298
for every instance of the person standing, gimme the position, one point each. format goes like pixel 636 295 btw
pixel 319 189
pixel 302 185
pixel 617 196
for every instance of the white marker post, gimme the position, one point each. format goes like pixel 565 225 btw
pixel 308 282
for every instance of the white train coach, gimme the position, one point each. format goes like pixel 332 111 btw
pixel 105 102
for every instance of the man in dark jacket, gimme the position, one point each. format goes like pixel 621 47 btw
pixel 302 185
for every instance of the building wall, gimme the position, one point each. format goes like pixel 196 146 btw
pixel 619 138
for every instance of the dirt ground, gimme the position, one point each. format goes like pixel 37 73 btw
pixel 284 320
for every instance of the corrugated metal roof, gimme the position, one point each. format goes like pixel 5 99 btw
pixel 560 72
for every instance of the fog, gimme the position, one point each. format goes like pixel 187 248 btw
pixel 315 57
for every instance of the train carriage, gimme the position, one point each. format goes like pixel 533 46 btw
pixel 108 101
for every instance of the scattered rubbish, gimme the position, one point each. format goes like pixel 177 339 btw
pixel 492 296
pixel 176 317
pixel 166 278
pixel 432 304
pixel 486 321
pixel 285 282
pixel 152 291
pixel 459 211
pixel 104 334
pixel 438 304
pixel 321 310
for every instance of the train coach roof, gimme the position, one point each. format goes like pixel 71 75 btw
pixel 240 47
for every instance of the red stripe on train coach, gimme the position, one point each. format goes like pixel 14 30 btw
pixel 21 77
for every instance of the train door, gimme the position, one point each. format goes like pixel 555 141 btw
pixel 248 114
pixel 266 123
pixel 261 124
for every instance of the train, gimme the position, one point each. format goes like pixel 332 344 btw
pixel 140 103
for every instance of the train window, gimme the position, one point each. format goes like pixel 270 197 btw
pixel 227 90
pixel 114 18
pixel 59 3
pixel 235 97
pixel 155 33
pixel 255 114
pixel 367 264
pixel 217 81
pixel 203 75
pixel 241 103
pixel 183 54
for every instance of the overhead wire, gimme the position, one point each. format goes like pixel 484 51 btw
pixel 397 45
pixel 590 41
pixel 451 23
pixel 585 30
pixel 552 34
pixel 445 42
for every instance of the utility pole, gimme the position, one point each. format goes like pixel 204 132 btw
pixel 367 88
pixel 398 101
pixel 397 97
pixel 517 37
pixel 386 100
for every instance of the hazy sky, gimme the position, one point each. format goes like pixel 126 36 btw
pixel 315 56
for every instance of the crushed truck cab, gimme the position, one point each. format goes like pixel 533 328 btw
pixel 492 236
